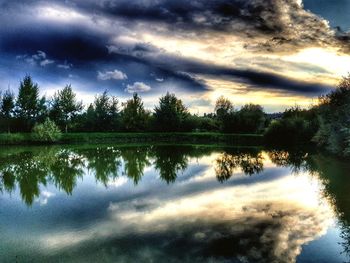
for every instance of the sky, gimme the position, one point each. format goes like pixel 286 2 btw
pixel 276 53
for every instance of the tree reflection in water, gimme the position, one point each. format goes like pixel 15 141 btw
pixel 104 162
pixel 30 168
pixel 248 162
pixel 295 159
pixel 169 161
pixel 136 159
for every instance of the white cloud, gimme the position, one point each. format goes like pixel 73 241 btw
pixel 45 62
pixel 44 197
pixel 65 65
pixel 40 55
pixel 40 58
pixel 30 61
pixel 137 87
pixel 116 74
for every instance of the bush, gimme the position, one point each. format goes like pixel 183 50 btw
pixel 292 131
pixel 46 132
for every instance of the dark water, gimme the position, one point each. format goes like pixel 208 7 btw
pixel 172 204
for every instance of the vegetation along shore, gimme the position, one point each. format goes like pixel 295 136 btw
pixel 28 118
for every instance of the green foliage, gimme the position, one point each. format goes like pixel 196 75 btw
pixel 28 102
pixel 46 132
pixel 334 119
pixel 225 114
pixel 207 124
pixel 28 98
pixel 250 119
pixel 65 106
pixel 103 114
pixel 223 107
pixel 134 116
pixel 296 127
pixel 171 114
pixel 328 124
pixel 7 105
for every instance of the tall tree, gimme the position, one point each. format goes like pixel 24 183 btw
pixel 65 106
pixel 223 107
pixel 105 112
pixel 7 106
pixel 134 115
pixel 27 105
pixel 225 114
pixel 251 118
pixel 170 114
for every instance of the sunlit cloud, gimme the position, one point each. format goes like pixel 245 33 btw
pixel 115 74
pixel 138 87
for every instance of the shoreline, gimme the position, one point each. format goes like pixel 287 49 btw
pixel 146 137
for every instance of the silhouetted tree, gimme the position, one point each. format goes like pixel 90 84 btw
pixel 134 116
pixel 171 114
pixel 251 119
pixel 28 103
pixel 225 114
pixel 7 106
pixel 104 113
pixel 296 127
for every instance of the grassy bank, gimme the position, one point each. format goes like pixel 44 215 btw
pixel 87 138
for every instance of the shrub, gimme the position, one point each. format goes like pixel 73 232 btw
pixel 46 132
pixel 291 131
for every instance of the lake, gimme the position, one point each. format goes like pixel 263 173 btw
pixel 167 203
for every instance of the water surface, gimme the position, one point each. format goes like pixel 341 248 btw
pixel 169 203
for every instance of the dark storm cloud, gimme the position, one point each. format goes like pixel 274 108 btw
pixel 268 25
pixel 87 51
pixel 255 80
pixel 59 42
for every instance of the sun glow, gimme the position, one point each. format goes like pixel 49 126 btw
pixel 337 64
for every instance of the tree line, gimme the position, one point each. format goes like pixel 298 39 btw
pixel 107 114
pixel 326 124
